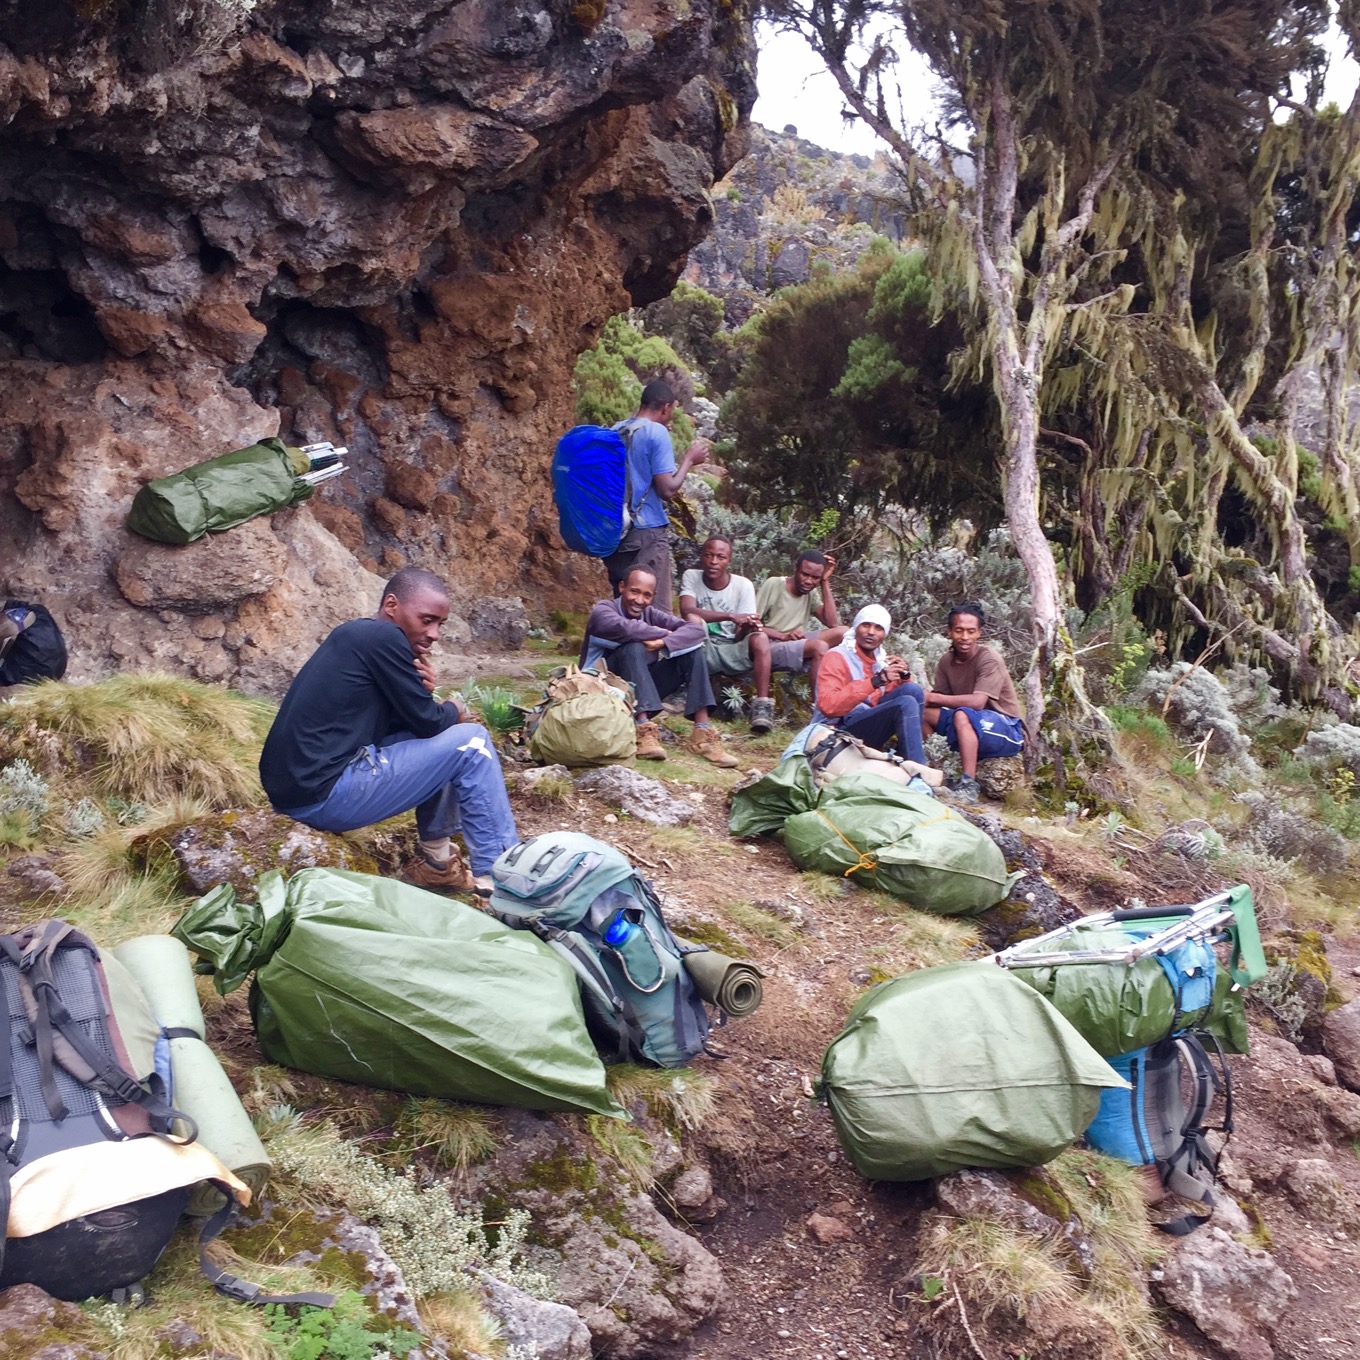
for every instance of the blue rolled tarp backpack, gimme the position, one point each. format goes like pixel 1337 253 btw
pixel 596 503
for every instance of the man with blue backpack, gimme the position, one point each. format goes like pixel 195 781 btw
pixel 651 465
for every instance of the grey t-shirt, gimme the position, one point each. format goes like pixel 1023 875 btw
pixel 737 597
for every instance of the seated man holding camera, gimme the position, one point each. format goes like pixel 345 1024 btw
pixel 867 693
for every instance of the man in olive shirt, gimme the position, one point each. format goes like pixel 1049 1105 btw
pixel 787 605
pixel 973 700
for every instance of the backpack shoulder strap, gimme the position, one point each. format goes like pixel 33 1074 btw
pixel 1191 1168
pixel 628 428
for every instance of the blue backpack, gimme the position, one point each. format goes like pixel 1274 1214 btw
pixel 593 488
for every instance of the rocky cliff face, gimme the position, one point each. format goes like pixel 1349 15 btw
pixel 393 226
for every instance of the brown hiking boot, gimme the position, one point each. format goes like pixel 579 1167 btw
pixel 453 877
pixel 649 745
pixel 703 741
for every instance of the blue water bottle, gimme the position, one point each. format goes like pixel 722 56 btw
pixel 621 929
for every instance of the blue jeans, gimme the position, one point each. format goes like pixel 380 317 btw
pixel 451 778
pixel 896 714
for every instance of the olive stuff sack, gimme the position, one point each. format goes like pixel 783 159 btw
pixel 593 487
pixel 221 493
pixel 958 1066
pixel 585 900
pixel 35 649
pixel 586 718
pixel 96 1164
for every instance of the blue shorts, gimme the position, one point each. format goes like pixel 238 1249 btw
pixel 997 734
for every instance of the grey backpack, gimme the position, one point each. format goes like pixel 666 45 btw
pixel 584 899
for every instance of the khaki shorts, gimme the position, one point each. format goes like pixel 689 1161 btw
pixel 729 656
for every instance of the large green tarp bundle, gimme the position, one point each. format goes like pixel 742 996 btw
pixel 220 493
pixel 373 981
pixel 1120 1007
pixel 907 844
pixel 763 807
pixel 959 1066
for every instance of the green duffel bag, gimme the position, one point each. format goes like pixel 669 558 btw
pixel 959 1066
pixel 374 981
pixel 907 844
pixel 220 493
pixel 586 718
pixel 763 807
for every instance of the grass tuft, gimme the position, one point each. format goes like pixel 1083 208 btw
pixel 626 1145
pixel 456 1136
pixel 458 1319
pixel 681 1099
pixel 146 737
pixel 760 922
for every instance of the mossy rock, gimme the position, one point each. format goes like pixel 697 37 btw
pixel 1306 952
pixel 237 846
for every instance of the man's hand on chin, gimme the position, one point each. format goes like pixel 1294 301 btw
pixel 425 669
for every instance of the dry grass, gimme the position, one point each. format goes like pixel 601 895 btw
pixel 1007 1271
pixel 456 1136
pixel 747 916
pixel 461 1323
pixel 624 1144
pixel 145 738
pixel 682 1099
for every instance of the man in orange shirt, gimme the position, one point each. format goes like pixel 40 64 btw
pixel 863 691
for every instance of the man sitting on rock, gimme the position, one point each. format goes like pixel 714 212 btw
pixel 659 653
pixel 360 737
pixel 867 693
pixel 787 606
pixel 738 642
pixel 973 701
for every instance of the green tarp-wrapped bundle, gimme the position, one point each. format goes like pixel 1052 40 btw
pixel 959 1066
pixel 1119 1007
pixel 763 807
pixel 908 844
pixel 220 493
pixel 373 981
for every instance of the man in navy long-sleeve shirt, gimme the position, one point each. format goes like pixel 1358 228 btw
pixel 658 652
pixel 360 737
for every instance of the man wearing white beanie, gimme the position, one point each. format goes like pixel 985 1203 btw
pixel 868 694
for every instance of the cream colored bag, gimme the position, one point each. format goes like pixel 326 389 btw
pixel 832 753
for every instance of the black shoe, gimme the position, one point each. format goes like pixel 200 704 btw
pixel 965 788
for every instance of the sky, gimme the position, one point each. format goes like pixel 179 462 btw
pixel 795 88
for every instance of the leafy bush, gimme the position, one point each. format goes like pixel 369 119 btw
pixel 346 1331
pixel 1199 707
pixel 23 790
pixel 1286 835
pixel 1332 747
pixel 610 376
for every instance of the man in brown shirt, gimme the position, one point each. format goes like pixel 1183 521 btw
pixel 973 700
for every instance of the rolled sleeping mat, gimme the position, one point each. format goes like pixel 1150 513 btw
pixel 731 985
pixel 160 964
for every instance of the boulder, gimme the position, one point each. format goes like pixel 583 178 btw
pixel 1233 1293
pixel 36 874
pixel 1320 1196
pixel 636 795
pixel 996 778
pixel 28 1314
pixel 1341 1038
pixel 238 846
pixel 1010 1200
pixel 197 578
pixel 550 1331
pixel 501 620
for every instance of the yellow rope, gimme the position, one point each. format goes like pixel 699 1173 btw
pixel 864 861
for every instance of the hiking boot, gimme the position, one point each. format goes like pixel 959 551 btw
pixel 965 788
pixel 703 741
pixel 649 745
pixel 453 877
pixel 762 715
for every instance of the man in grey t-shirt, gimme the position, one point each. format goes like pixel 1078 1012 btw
pixel 736 641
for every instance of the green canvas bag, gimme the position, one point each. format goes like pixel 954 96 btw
pixel 374 981
pixel 586 718
pixel 959 1066
pixel 220 493
pixel 904 843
